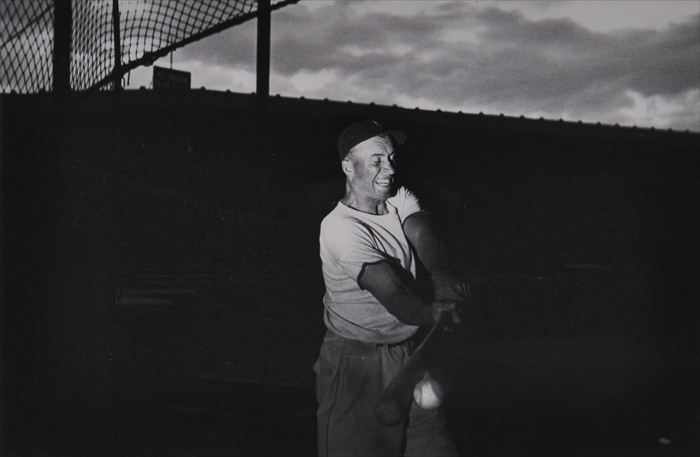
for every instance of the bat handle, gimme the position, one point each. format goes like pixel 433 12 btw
pixel 448 320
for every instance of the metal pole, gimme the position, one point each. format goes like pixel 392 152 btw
pixel 263 62
pixel 62 36
pixel 117 81
pixel 3 367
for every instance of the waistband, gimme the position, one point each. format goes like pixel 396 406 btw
pixel 363 345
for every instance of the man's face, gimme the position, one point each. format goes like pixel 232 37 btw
pixel 373 167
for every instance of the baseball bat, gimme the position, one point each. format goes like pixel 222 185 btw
pixel 396 398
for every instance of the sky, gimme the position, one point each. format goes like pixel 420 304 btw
pixel 620 62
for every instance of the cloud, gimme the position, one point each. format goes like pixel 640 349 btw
pixel 664 112
pixel 607 16
pixel 235 47
pixel 503 62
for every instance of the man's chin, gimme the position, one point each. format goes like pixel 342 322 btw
pixel 386 192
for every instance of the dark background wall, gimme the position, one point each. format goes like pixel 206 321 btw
pixel 162 246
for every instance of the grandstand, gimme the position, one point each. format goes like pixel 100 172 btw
pixel 140 282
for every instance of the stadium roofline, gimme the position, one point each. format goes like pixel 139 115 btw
pixel 499 115
pixel 278 98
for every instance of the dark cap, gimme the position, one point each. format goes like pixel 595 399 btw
pixel 358 132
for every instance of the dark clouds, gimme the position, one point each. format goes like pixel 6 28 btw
pixel 460 56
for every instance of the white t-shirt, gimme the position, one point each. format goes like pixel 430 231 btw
pixel 349 239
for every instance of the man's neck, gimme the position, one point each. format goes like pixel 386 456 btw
pixel 365 205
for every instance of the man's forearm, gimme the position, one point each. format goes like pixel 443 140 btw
pixel 392 286
pixel 408 308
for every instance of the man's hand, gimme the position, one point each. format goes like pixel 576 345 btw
pixel 445 312
pixel 448 287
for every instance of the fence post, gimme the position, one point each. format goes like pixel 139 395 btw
pixel 117 83
pixel 62 36
pixel 263 57
pixel 3 367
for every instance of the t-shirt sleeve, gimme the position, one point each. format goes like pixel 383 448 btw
pixel 349 245
pixel 406 203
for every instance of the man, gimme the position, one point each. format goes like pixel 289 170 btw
pixel 368 247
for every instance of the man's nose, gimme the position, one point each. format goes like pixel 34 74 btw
pixel 389 167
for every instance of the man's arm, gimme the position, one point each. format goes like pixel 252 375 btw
pixel 392 286
pixel 432 252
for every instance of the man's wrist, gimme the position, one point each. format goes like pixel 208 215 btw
pixel 446 286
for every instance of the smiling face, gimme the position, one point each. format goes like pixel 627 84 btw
pixel 369 169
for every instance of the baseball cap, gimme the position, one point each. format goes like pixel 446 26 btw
pixel 358 132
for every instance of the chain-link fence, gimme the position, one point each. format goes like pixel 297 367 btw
pixel 147 30
pixel 26 45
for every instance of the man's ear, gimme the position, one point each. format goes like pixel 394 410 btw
pixel 347 166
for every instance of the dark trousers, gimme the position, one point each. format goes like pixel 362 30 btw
pixel 350 377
